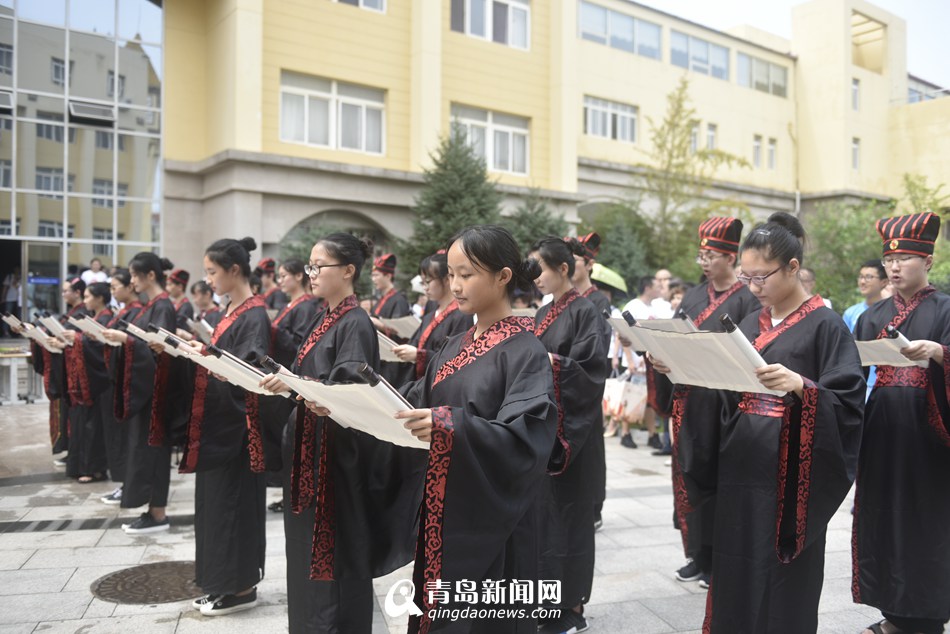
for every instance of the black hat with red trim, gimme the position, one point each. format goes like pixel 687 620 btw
pixel 386 263
pixel 720 234
pixel 914 234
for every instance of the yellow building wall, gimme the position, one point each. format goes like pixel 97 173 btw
pixel 185 85
pixel 500 78
pixel 342 42
pixel 918 134
pixel 739 113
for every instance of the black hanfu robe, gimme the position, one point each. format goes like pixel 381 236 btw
pixel 76 413
pixel 785 466
pixel 694 425
pixel 141 382
pixel 571 330
pixel 90 393
pixel 901 535
pixel 494 421
pixel 352 500
pixel 602 303
pixel 183 312
pixel 275 299
pixel 433 332
pixel 213 315
pixel 224 449
pixel 114 432
pixel 287 331
pixel 394 305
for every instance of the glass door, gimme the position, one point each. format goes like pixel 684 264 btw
pixel 43 269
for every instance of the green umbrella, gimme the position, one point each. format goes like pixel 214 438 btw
pixel 607 276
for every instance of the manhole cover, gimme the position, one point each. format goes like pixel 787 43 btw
pixel 163 582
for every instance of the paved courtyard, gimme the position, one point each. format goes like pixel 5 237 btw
pixel 49 556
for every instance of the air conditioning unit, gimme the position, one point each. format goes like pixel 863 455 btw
pixel 91 113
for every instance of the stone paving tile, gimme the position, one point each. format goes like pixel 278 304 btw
pixel 79 557
pixel 14 559
pixel 34 581
pixel 51 606
pixel 159 624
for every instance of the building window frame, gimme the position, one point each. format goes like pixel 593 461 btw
pixel 618 121
pixel 855 94
pixel 6 59
pixel 748 77
pixel 701 55
pixel 335 105
pixel 712 130
pixel 757 150
pixel 491 128
pixel 608 37
pixel 516 21
pixel 362 4
pixel 772 154
pixel 855 153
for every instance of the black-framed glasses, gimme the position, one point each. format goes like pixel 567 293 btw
pixel 704 257
pixel 898 260
pixel 314 269
pixel 758 280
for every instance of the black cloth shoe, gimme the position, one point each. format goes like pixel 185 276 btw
pixel 146 524
pixel 200 602
pixel 627 441
pixel 662 452
pixel 230 603
pixel 570 623
pixel 655 441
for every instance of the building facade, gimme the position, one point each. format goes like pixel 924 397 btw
pixel 259 117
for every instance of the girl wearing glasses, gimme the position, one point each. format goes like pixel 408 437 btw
pixel 488 410
pixel 352 500
pixel 439 324
pixel 786 462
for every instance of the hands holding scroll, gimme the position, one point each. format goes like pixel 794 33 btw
pixel 922 349
pixel 777 377
pixel 418 421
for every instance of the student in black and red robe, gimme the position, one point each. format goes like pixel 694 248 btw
pixel 90 388
pixel 115 432
pixel 274 297
pixel 694 423
pixel 353 499
pixel 769 534
pixel 490 416
pixel 571 329
pixel 585 250
pixel 75 413
pixel 141 384
pixel 444 321
pixel 288 330
pixel 203 299
pixel 224 447
pixel 176 285
pixel 392 304
pixel 902 510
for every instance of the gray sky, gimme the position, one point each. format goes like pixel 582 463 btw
pixel 927 25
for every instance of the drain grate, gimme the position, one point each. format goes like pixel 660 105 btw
pixel 162 582
pixel 91 523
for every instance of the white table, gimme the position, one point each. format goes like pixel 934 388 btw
pixel 9 373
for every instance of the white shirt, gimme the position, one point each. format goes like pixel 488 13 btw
pixel 662 309
pixel 89 276
pixel 13 291
pixel 639 309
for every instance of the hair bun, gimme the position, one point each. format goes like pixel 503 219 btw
pixel 789 222
pixel 366 246
pixel 530 271
pixel 166 264
pixel 248 243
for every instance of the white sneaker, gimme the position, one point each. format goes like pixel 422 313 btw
pixel 113 498
pixel 229 604
pixel 146 524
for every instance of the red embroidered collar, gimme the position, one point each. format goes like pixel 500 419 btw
pixel 150 303
pixel 329 320
pixel 251 302
pixel 716 302
pixel 559 306
pixel 471 348
pixel 904 308
pixel 768 333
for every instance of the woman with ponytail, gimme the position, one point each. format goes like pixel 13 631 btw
pixel 572 330
pixel 141 384
pixel 114 432
pixel 223 445
pixel 487 409
pixel 439 324
pixel 352 500
pixel 769 530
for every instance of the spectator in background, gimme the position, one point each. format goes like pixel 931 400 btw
pixel 661 304
pixel 11 295
pixel 807 276
pixel 872 282
pixel 94 273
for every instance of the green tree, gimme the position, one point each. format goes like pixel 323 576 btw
pixel 675 179
pixel 621 227
pixel 299 243
pixel 533 220
pixel 457 193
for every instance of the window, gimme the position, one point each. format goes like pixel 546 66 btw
pixel 49 131
pixel 376 5
pixel 52 229
pixel 110 85
pixel 772 154
pixel 711 136
pixel 6 59
pixel 503 21
pixel 699 55
pixel 103 140
pixel 50 179
pixel 57 71
pixel 99 233
pixel 6 173
pixel 694 139
pixel 610 120
pixel 855 153
pixel 619 30
pixel 762 75
pixel 757 150
pixel 327 113
pixel 500 139
pixel 103 189
pixel 855 94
